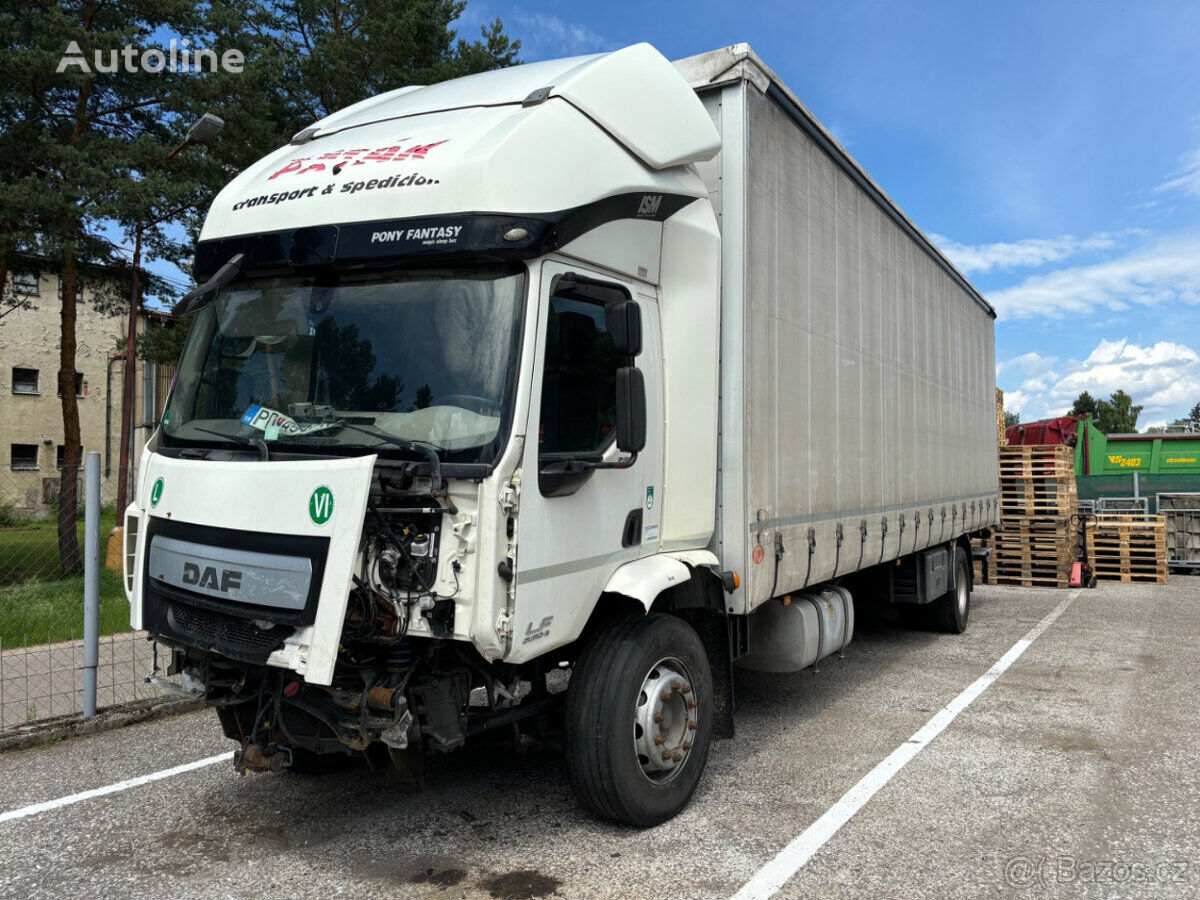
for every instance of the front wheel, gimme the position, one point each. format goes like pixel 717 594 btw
pixel 639 719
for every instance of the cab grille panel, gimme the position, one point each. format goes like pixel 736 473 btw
pixel 218 631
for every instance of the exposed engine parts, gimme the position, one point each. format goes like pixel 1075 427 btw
pixel 402 540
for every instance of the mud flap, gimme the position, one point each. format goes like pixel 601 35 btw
pixel 713 630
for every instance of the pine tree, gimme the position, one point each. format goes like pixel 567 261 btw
pixel 1117 414
pixel 82 149
pixel 1085 405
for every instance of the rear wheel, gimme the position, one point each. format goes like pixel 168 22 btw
pixel 949 613
pixel 639 719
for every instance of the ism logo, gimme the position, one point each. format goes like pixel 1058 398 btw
pixel 320 505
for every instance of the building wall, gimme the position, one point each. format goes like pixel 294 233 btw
pixel 29 339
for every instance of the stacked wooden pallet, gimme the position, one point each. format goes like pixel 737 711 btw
pixel 1130 548
pixel 1036 542
pixel 1001 431
pixel 1032 551
pixel 1037 480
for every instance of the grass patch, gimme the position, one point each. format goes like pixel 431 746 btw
pixel 36 605
pixel 41 612
pixel 29 552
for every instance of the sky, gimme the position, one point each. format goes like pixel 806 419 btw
pixel 1051 149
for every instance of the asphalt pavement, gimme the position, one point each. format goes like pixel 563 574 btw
pixel 1074 772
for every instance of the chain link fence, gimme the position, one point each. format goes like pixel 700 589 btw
pixel 42 600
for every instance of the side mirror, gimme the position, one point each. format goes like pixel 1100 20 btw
pixel 631 410
pixel 624 321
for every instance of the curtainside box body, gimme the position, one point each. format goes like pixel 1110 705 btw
pixel 857 370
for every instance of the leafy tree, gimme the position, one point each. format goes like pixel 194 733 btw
pixel 82 150
pixel 1117 414
pixel 1085 405
pixel 1011 418
pixel 344 51
pixel 77 153
pixel 162 342
pixel 1194 415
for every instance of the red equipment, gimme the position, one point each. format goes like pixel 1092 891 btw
pixel 1063 430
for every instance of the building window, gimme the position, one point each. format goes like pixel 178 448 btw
pixel 24 381
pixel 78 385
pixel 60 455
pixel 24 456
pixel 25 283
pixel 78 288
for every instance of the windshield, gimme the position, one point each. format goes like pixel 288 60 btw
pixel 346 361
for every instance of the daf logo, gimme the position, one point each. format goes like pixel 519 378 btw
pixel 230 579
pixel 650 204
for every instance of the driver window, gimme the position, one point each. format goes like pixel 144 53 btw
pixel 579 395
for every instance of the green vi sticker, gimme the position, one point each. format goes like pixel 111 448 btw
pixel 320 505
pixel 156 491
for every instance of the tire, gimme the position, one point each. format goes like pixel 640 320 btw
pixel 609 698
pixel 950 612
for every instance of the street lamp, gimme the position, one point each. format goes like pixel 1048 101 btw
pixel 203 129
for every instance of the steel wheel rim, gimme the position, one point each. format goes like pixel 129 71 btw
pixel 666 717
pixel 961 590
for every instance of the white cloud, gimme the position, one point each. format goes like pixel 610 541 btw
pixel 1163 377
pixel 1030 252
pixel 1167 271
pixel 1025 364
pixel 1033 374
pixel 1187 178
pixel 549 37
pixel 1017 401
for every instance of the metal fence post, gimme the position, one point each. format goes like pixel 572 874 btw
pixel 91 583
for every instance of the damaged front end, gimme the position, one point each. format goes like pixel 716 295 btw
pixel 403 677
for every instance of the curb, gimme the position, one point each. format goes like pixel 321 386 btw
pixel 113 717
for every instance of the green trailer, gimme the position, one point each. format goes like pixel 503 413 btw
pixel 1125 465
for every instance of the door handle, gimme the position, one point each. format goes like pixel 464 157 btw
pixel 632 533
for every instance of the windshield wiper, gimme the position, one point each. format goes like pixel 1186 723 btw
pixel 435 461
pixel 260 444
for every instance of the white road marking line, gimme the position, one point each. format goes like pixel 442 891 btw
pixel 48 805
pixel 771 877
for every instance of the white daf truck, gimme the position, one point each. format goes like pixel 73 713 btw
pixel 604 364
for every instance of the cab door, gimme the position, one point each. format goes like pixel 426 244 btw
pixel 586 506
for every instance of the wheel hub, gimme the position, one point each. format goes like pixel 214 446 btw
pixel 665 720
